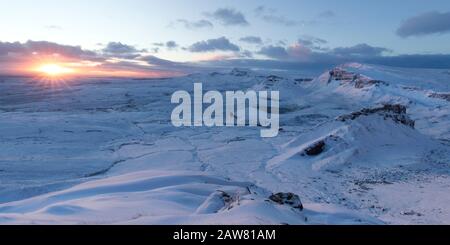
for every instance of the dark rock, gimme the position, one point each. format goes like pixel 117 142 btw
pixel 395 112
pixel 444 96
pixel 213 74
pixel 273 78
pixel 239 72
pixel 359 83
pixel 315 149
pixel 411 213
pixel 290 199
pixel 338 74
pixel 300 80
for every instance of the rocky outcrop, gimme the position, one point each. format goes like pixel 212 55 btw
pixel 239 72
pixel 338 74
pixel 315 149
pixel 366 83
pixel 273 78
pixel 301 80
pixel 358 80
pixel 289 198
pixel 395 112
pixel 444 96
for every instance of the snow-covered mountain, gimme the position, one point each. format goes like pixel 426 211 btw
pixel 357 144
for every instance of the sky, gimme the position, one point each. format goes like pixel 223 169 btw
pixel 145 37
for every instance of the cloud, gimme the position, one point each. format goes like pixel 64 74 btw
pixel 313 43
pixel 251 39
pixel 436 61
pixel 305 51
pixel 6 48
pixel 229 17
pixel 219 44
pixel 44 48
pixel 246 54
pixel 425 24
pixel 193 25
pixel 360 50
pixel 276 52
pixel 164 64
pixel 118 49
pixel 171 45
pixel 158 44
pixel 269 15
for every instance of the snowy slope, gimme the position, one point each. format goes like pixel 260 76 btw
pixel 168 198
pixel 358 144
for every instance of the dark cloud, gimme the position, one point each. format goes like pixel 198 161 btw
pixel 7 48
pixel 171 45
pixel 44 48
pixel 297 51
pixel 219 44
pixel 270 16
pixel 161 63
pixel 360 50
pixel 313 43
pixel 425 24
pixel 304 51
pixel 192 25
pixel 120 50
pixel 326 62
pixel 276 52
pixel 229 17
pixel 246 54
pixel 436 61
pixel 251 39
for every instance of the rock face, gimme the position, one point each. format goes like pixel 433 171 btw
pixel 364 83
pixel 358 80
pixel 315 149
pixel 342 75
pixel 289 198
pixel 395 112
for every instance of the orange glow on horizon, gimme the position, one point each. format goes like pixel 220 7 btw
pixel 54 70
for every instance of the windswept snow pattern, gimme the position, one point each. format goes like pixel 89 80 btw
pixel 358 144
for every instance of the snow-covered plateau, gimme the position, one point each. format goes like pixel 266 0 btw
pixel 358 144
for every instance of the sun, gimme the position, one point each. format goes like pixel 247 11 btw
pixel 54 70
